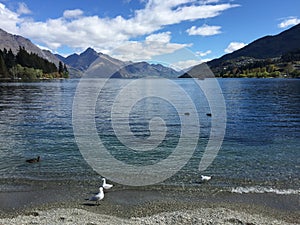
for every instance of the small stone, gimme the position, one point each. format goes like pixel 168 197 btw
pixel 32 214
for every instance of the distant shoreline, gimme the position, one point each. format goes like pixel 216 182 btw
pixel 9 80
pixel 178 78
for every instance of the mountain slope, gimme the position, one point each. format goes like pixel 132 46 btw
pixel 266 47
pixel 144 69
pixel 81 62
pixel 92 64
pixel 261 58
pixel 104 66
pixel 200 71
pixel 13 42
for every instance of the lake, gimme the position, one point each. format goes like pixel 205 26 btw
pixel 260 151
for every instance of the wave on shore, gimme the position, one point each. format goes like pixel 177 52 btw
pixel 258 189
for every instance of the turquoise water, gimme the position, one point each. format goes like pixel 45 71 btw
pixel 260 151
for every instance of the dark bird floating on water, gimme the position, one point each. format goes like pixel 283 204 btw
pixel 208 114
pixel 34 160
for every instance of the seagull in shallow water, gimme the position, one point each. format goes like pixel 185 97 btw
pixel 205 178
pixel 34 160
pixel 98 197
pixel 105 185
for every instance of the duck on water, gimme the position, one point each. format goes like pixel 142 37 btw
pixel 33 160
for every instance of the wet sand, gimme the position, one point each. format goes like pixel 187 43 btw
pixel 51 203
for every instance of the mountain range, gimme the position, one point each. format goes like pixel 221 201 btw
pixel 93 64
pixel 96 64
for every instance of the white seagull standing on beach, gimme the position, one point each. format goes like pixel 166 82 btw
pixel 105 185
pixel 205 178
pixel 98 197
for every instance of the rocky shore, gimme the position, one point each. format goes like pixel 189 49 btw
pixel 199 216
pixel 70 205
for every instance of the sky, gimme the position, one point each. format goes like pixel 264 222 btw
pixel 182 33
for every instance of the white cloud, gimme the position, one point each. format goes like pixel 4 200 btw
pixel 209 1
pixel 290 21
pixel 8 19
pixel 72 13
pixel 164 37
pixel 153 45
pixel 43 47
pixel 233 46
pixel 78 31
pixel 183 65
pixel 202 54
pixel 205 30
pixel 23 9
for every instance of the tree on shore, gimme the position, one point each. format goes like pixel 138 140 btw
pixel 60 68
pixel 3 69
pixel 28 66
pixel 63 70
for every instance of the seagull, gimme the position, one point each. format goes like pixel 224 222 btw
pixel 34 160
pixel 98 197
pixel 205 178
pixel 105 185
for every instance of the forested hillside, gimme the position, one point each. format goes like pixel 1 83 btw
pixel 288 65
pixel 28 66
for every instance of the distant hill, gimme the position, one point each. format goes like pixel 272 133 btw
pixel 92 64
pixel 13 42
pixel 99 65
pixel 144 69
pixel 266 47
pixel 104 66
pixel 200 71
pixel 265 57
pixel 80 62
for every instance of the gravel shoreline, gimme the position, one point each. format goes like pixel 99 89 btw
pixel 199 216
pixel 69 205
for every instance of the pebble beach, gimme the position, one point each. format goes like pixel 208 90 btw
pixel 199 216
pixel 131 206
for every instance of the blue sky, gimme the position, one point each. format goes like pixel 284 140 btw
pixel 148 29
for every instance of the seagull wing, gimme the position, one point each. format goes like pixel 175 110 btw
pixel 94 198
